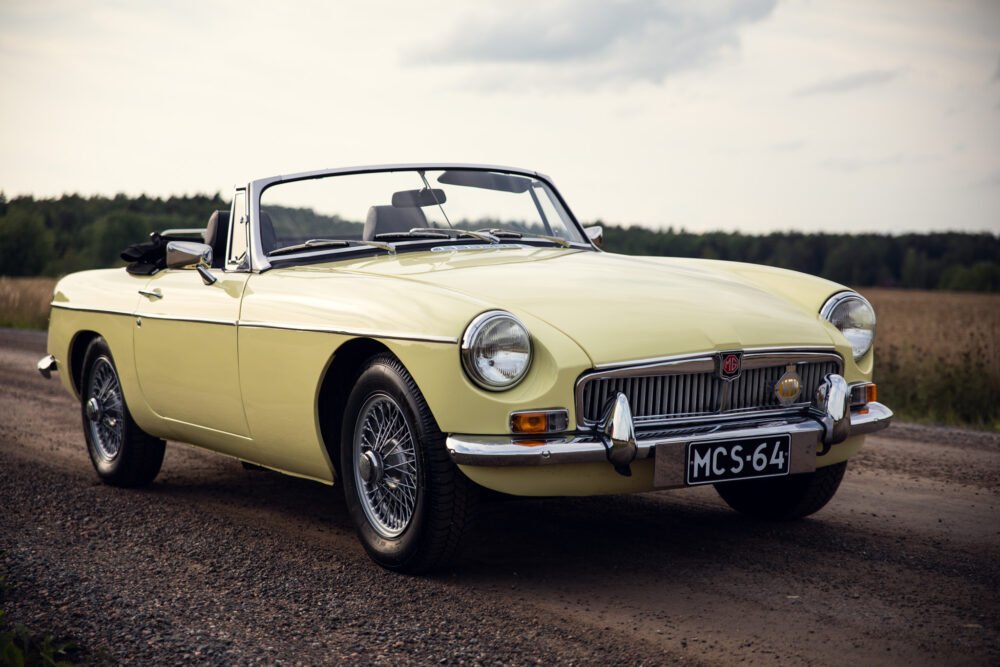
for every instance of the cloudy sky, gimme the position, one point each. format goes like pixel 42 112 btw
pixel 749 115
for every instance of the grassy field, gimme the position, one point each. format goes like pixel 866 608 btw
pixel 24 302
pixel 937 353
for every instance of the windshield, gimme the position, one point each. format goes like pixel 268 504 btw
pixel 393 207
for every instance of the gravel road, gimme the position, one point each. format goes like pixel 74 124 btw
pixel 215 564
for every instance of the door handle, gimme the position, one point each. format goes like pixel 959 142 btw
pixel 155 294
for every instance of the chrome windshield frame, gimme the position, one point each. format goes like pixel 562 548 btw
pixel 259 261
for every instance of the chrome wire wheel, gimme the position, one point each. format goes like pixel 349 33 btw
pixel 105 410
pixel 385 465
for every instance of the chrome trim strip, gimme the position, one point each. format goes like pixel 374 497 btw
pixel 451 340
pixel 710 354
pixel 147 316
pixel 64 306
pixel 430 166
pixel 743 414
pixel 192 320
pixel 700 363
pixel 500 451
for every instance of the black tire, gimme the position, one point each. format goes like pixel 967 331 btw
pixel 785 498
pixel 404 532
pixel 122 453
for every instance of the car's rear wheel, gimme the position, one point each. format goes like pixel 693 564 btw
pixel 408 501
pixel 785 498
pixel 122 453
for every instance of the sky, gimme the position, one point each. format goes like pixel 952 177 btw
pixel 749 115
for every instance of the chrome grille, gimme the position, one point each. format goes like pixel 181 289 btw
pixel 655 395
pixel 687 390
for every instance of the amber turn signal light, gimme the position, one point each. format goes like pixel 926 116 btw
pixel 529 422
pixel 863 394
pixel 539 421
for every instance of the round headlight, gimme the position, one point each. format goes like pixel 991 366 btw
pixel 854 316
pixel 496 350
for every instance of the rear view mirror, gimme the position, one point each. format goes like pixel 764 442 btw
pixel 487 180
pixel 187 255
pixel 414 198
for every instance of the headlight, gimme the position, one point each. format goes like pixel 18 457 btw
pixel 854 316
pixel 496 350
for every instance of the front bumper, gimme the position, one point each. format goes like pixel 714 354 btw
pixel 486 450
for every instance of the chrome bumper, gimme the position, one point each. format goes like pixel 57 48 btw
pixel 807 437
pixel 46 365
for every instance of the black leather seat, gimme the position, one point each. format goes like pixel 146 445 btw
pixel 216 235
pixel 389 219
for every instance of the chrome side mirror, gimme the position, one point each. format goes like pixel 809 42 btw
pixel 595 234
pixel 188 254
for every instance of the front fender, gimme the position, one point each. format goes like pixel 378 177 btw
pixel 460 406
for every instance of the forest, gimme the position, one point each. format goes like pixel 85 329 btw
pixel 55 236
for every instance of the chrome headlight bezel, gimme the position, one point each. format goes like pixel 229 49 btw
pixel 836 305
pixel 470 348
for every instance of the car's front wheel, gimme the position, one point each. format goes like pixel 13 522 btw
pixel 784 498
pixel 408 501
pixel 122 453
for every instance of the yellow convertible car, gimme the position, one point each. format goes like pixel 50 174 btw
pixel 416 332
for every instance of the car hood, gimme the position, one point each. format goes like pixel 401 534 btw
pixel 621 308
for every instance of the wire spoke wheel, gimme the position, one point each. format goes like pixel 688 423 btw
pixel 407 499
pixel 105 410
pixel 385 465
pixel 122 453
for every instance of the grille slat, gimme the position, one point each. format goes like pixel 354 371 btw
pixel 670 396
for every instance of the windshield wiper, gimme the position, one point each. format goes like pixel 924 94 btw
pixel 427 232
pixel 417 232
pixel 330 243
pixel 506 233
pixel 482 236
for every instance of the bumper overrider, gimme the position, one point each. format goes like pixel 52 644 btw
pixel 830 421
pixel 47 365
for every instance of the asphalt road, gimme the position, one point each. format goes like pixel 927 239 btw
pixel 215 564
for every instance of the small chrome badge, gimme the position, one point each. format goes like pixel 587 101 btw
pixel 730 364
pixel 789 386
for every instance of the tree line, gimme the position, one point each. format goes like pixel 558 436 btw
pixel 937 260
pixel 55 236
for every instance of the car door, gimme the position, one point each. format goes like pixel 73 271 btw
pixel 186 356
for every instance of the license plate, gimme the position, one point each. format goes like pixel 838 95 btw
pixel 714 461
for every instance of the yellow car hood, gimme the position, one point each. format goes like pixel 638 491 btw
pixel 621 308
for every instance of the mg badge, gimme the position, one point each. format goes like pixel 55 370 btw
pixel 789 386
pixel 730 364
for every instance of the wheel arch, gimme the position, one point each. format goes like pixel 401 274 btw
pixel 77 351
pixel 335 386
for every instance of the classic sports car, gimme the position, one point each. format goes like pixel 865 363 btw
pixel 416 332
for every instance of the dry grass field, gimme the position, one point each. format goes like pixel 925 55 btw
pixel 938 353
pixel 24 302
